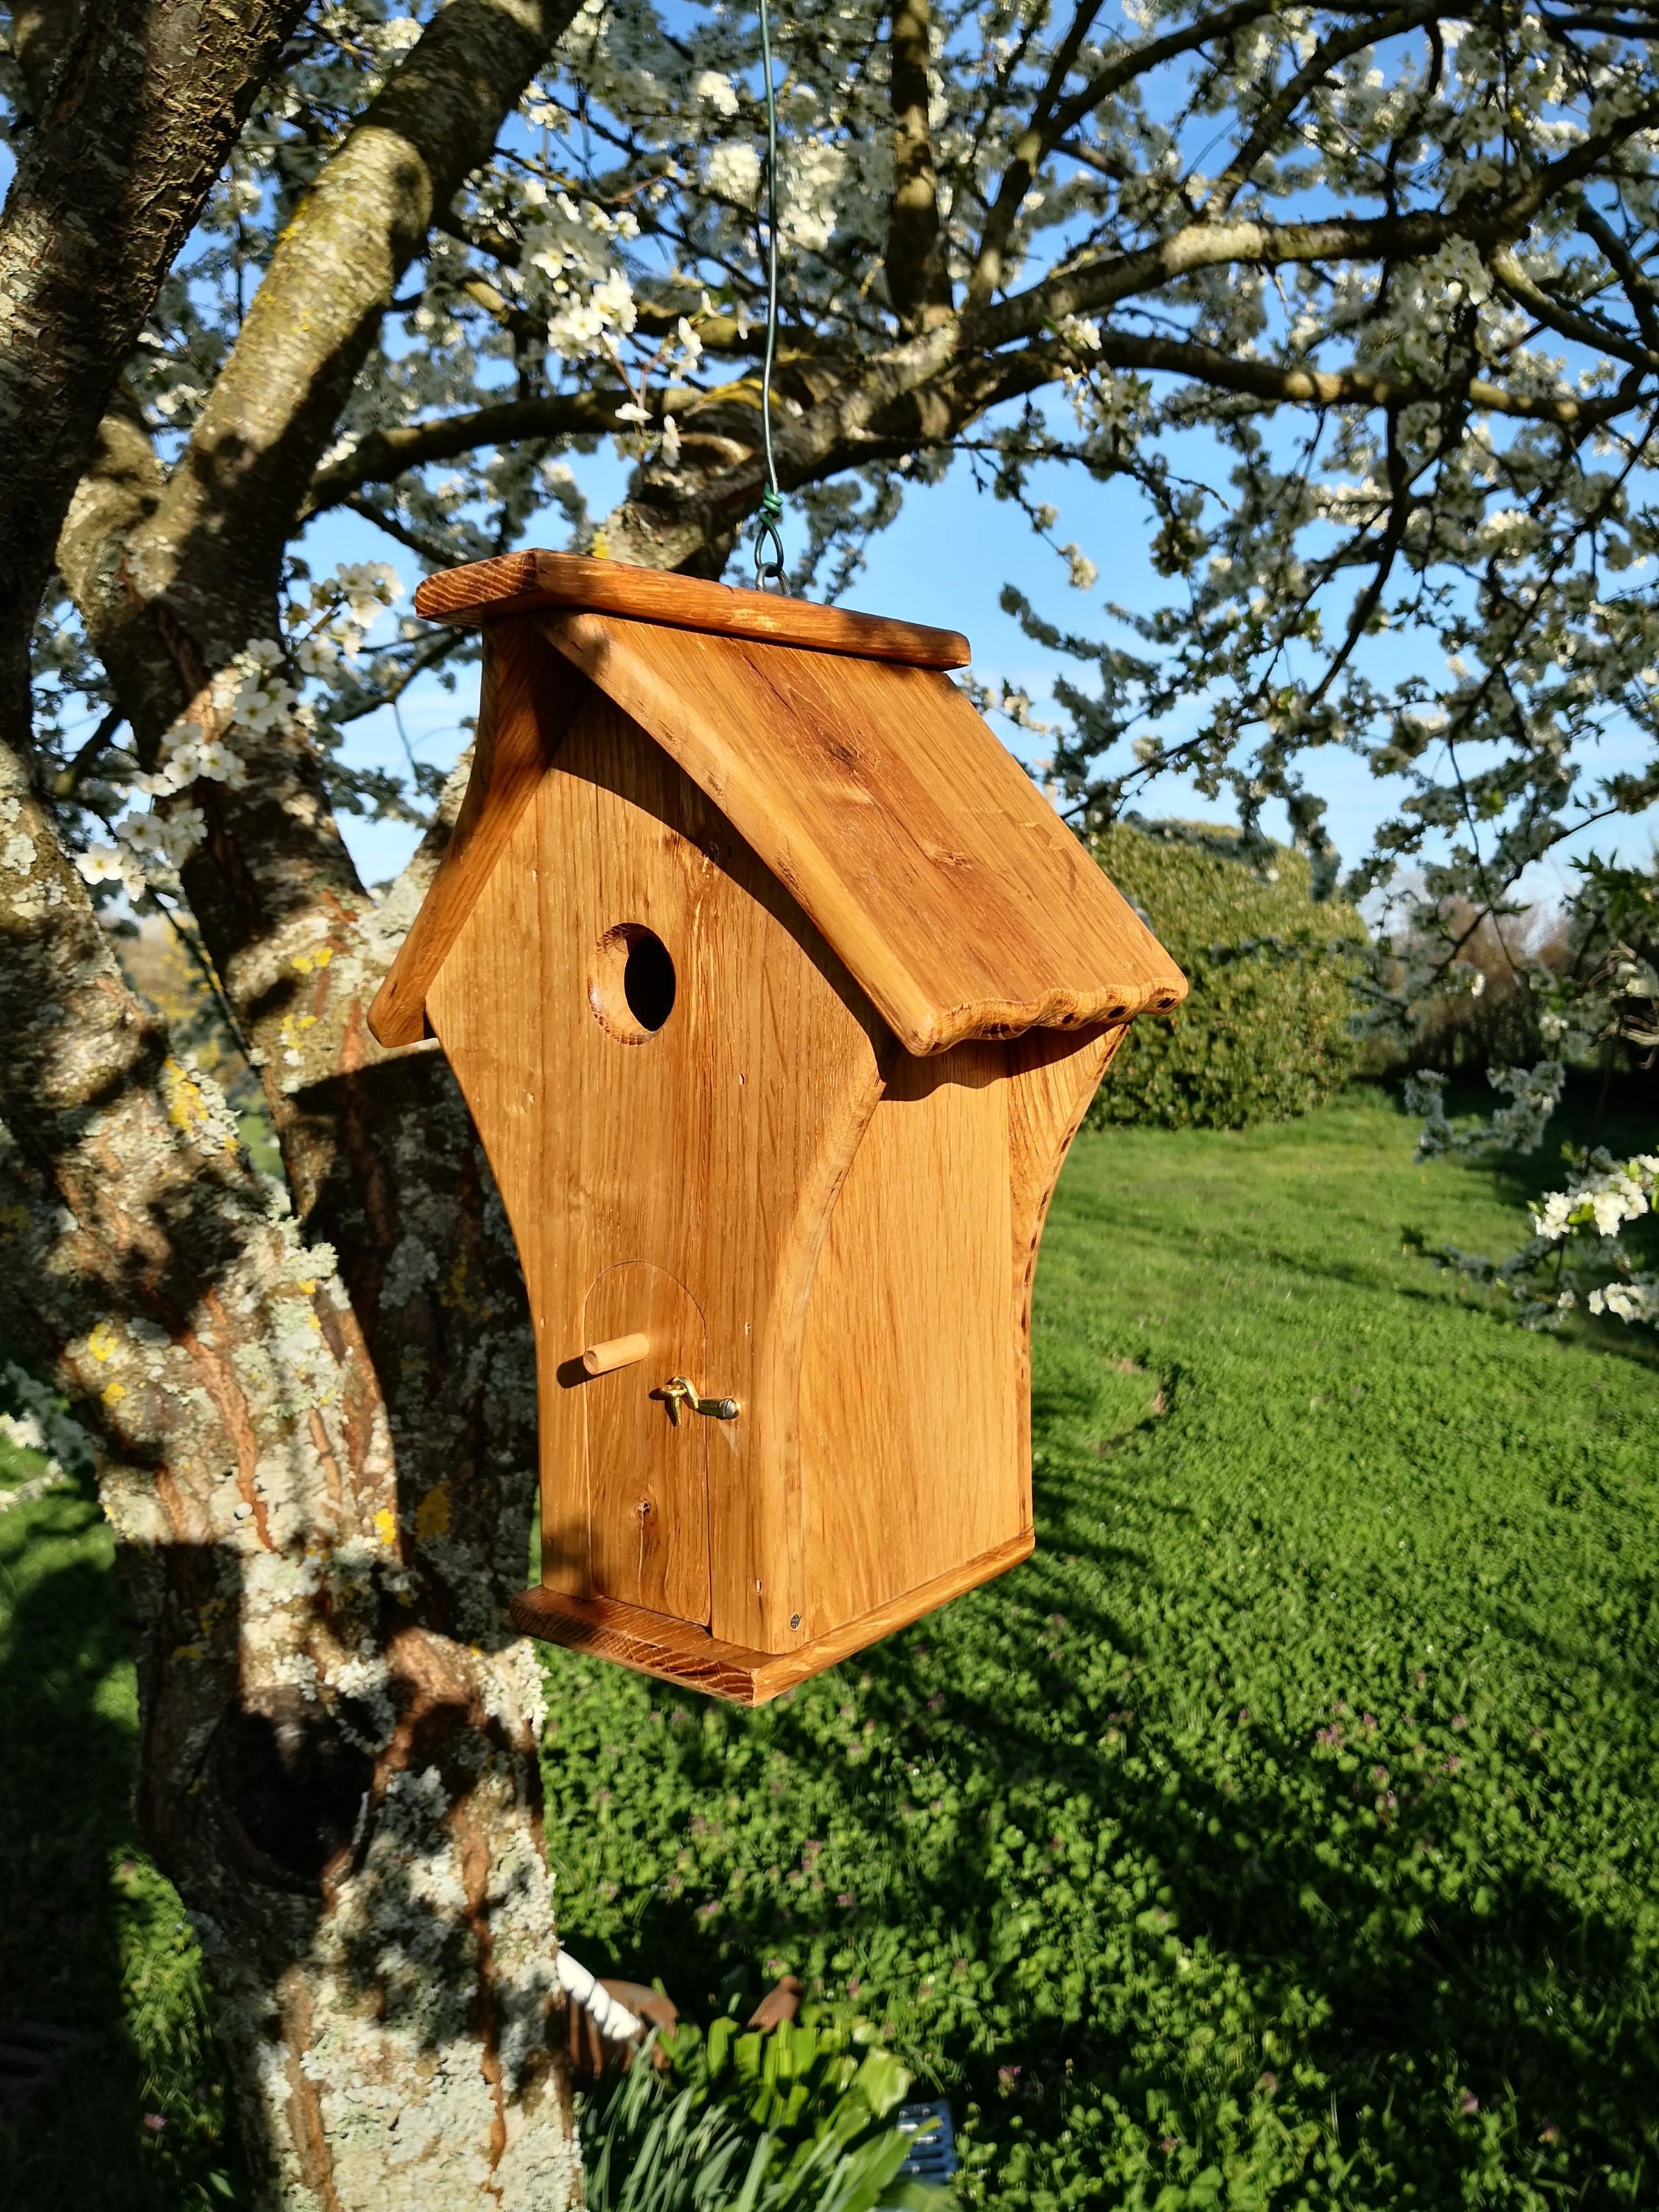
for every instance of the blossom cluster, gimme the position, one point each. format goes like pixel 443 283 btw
pixel 1636 1300
pixel 1575 1254
pixel 251 697
pixel 1605 1198
pixel 567 245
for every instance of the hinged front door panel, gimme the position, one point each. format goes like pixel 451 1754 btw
pixel 648 1479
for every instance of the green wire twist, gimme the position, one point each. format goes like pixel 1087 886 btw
pixel 768 538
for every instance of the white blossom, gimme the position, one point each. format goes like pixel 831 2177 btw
pixel 1082 571
pixel 102 864
pixel 733 172
pixel 367 586
pixel 717 90
pixel 1635 1301
pixel 812 173
pixel 1606 1199
pixel 581 329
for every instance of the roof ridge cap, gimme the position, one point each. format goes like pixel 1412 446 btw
pixel 538 581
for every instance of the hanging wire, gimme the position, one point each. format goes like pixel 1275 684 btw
pixel 768 538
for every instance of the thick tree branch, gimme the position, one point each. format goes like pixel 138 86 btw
pixel 1490 226
pixel 275 405
pixel 1268 245
pixel 1640 286
pixel 1353 387
pixel 209 541
pixel 143 103
pixel 924 382
pixel 1549 181
pixel 386 454
pixel 1090 287
pixel 1051 118
pixel 938 411
pixel 1585 330
pixel 917 283
pixel 1611 26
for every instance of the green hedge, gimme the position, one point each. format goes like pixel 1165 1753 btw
pixel 1263 1033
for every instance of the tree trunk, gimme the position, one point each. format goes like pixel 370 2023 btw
pixel 338 1765
pixel 318 1414
pixel 136 108
pixel 320 1423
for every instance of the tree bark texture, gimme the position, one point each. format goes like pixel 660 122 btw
pixel 917 283
pixel 338 1760
pixel 141 106
pixel 318 1412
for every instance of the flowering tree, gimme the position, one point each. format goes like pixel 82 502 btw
pixel 1600 1000
pixel 1576 1254
pixel 1336 248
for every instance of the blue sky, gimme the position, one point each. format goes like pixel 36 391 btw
pixel 944 562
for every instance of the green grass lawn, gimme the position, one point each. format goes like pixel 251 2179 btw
pixel 1283 1833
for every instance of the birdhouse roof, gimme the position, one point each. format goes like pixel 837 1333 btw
pixel 838 749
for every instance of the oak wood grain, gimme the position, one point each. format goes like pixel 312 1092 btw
pixel 910 1431
pixel 913 840
pixel 1052 1080
pixel 647 1476
pixel 517 583
pixel 675 1652
pixel 752 1174
pixel 713 1149
pixel 616 1351
pixel 527 698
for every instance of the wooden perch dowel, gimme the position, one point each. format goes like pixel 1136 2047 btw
pixel 617 1351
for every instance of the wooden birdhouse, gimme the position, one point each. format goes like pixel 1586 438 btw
pixel 777 992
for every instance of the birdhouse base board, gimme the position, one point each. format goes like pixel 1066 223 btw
pixel 677 1652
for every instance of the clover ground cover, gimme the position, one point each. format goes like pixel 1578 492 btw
pixel 1283 1834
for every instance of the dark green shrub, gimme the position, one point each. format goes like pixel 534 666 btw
pixel 1264 1031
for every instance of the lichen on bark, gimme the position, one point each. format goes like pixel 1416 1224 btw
pixel 339 1740
pixel 314 1403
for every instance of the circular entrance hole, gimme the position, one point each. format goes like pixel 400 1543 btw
pixel 633 988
